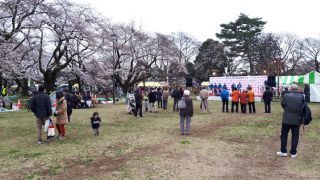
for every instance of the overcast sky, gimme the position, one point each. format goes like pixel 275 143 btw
pixel 201 18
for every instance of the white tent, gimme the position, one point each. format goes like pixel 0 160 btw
pixel 312 79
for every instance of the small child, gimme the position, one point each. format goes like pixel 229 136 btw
pixel 95 123
pixel 146 105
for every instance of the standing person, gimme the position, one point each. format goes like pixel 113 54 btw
pixel 307 92
pixel 239 86
pixel 138 99
pixel 68 98
pixel 291 120
pixel 225 86
pixel 243 101
pixel 152 96
pixel 225 99
pixel 41 107
pixel 95 123
pixel 204 95
pixel 215 87
pixel 251 100
pixel 186 114
pixel 285 91
pixel 267 98
pixel 159 98
pixel 233 86
pixel 61 115
pixel 235 100
pixel 165 96
pixel 220 88
pixel 176 97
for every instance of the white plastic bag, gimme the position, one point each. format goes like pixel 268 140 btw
pixel 46 125
pixel 89 103
pixel 51 131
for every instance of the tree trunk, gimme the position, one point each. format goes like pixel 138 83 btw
pixel 25 88
pixel 316 63
pixel 49 81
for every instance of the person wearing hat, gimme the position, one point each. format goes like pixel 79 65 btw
pixel 186 114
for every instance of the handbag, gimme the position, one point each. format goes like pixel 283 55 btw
pixel 182 104
pixel 51 130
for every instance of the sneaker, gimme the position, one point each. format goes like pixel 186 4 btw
pixel 294 156
pixel 39 141
pixel 282 154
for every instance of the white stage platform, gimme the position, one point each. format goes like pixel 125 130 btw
pixel 218 98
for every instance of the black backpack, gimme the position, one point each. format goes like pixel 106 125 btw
pixel 306 114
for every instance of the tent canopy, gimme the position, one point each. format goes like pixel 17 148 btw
pixel 150 84
pixel 310 78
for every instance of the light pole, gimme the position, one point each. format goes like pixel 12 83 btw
pixel 114 40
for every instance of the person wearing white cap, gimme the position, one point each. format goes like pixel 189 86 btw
pixel 186 113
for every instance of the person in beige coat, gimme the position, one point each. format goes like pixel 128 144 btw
pixel 61 115
pixel 204 95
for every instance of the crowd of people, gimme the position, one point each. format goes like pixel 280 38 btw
pixel 149 99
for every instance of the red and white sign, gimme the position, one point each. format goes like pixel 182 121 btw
pixel 256 82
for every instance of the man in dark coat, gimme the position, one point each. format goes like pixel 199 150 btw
pixel 267 98
pixel 152 97
pixel 138 98
pixel 307 92
pixel 291 120
pixel 41 107
pixel 176 97
pixel 68 98
pixel 159 97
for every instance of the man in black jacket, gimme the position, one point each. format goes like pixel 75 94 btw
pixel 68 98
pixel 176 97
pixel 41 107
pixel 307 92
pixel 292 104
pixel 267 98
pixel 138 98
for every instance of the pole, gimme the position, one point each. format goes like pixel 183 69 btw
pixel 278 78
pixel 113 74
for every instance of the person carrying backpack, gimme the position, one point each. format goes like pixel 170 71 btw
pixel 225 99
pixel 186 113
pixel 292 104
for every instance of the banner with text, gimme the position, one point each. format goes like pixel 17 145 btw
pixel 256 82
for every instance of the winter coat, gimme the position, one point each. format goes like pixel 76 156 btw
pixel 62 115
pixel 243 98
pixel 68 98
pixel 95 122
pixel 267 96
pixel 251 96
pixel 306 91
pixel 204 94
pixel 292 104
pixel 152 97
pixel 41 105
pixel 189 107
pixel 225 95
pixel 159 96
pixel 176 94
pixel 165 94
pixel 138 97
pixel 235 96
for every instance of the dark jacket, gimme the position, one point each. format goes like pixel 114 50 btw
pixel 267 96
pixel 159 96
pixel 292 104
pixel 189 107
pixel 176 94
pixel 95 122
pixel 306 90
pixel 152 97
pixel 68 98
pixel 41 105
pixel 138 97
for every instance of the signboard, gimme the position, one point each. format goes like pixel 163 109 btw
pixel 256 82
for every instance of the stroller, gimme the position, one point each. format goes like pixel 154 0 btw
pixel 131 104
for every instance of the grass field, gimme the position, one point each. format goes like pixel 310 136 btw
pixel 221 146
